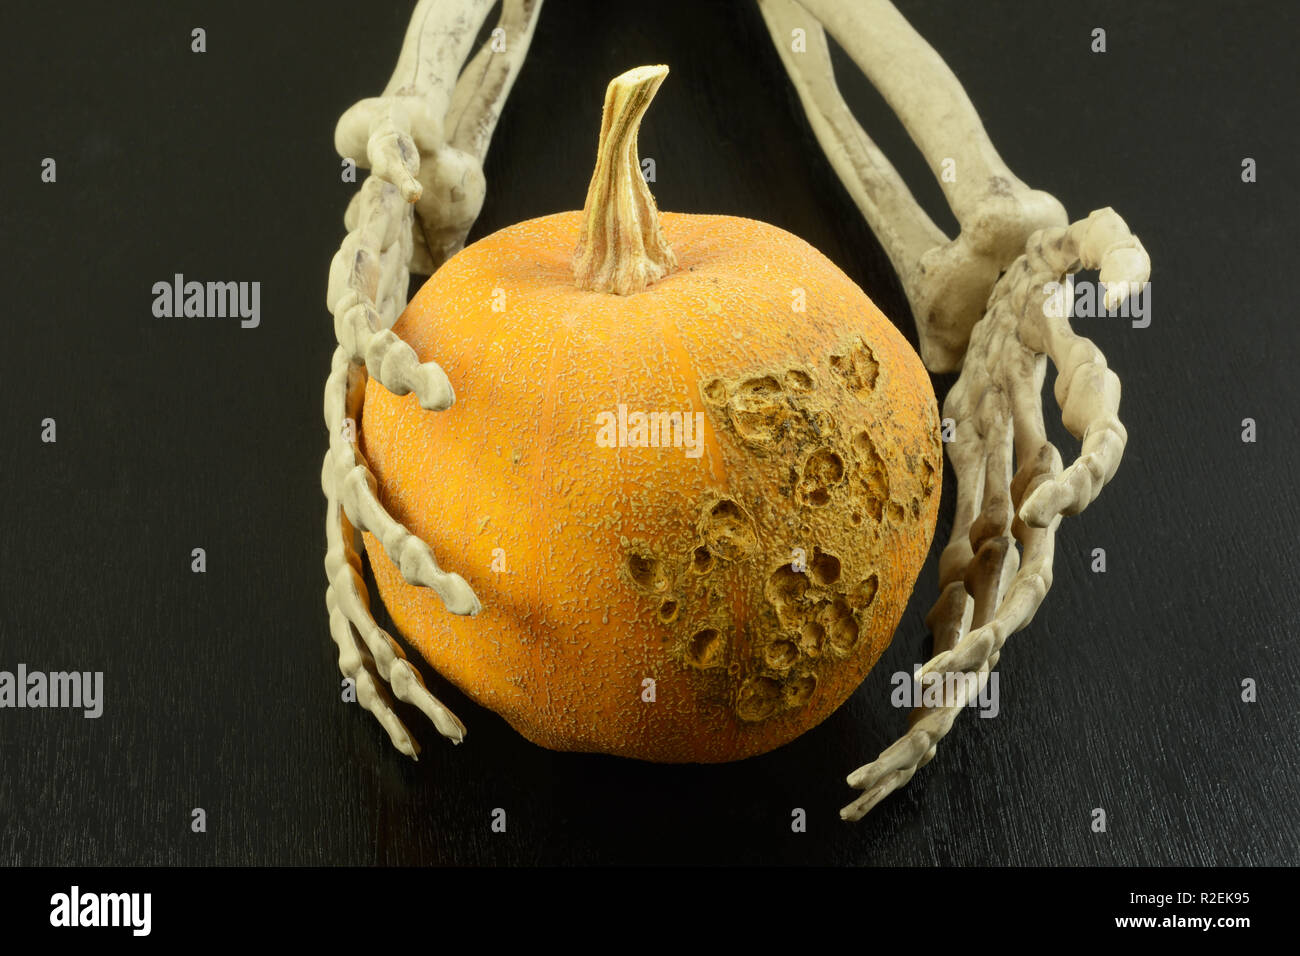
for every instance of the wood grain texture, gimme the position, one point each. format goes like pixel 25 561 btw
pixel 222 689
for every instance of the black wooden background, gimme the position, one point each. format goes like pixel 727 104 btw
pixel 222 690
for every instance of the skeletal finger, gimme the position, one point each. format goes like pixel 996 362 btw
pixel 342 571
pixel 367 653
pixel 356 664
pixel 1037 459
pixel 391 150
pixel 364 269
pixel 949 616
pixel 990 534
pixel 1023 596
pixel 897 763
pixel 486 80
pixel 390 661
pixel 1089 394
pixel 351 480
pixel 376 134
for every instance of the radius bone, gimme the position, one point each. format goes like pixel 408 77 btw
pixel 947 282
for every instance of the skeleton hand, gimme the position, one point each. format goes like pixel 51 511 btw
pixel 947 280
pixel 997 334
pixel 424 141
pixel 429 131
pixel 988 591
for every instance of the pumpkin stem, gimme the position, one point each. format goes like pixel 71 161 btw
pixel 621 248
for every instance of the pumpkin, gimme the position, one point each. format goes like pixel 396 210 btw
pixel 692 472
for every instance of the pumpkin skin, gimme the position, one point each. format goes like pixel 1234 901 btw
pixel 628 564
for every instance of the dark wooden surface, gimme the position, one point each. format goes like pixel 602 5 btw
pixel 222 688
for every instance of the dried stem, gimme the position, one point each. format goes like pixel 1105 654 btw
pixel 621 248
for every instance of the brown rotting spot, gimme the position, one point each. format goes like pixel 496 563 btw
pixel 758 699
pixel 841 627
pixel 797 380
pixel 871 485
pixel 646 571
pixel 780 655
pixel 862 595
pixel 785 590
pixel 714 392
pixel 811 637
pixel 927 478
pixel 728 531
pixel 857 368
pixel 758 411
pixel 823 470
pixel 825 568
pixel 799 689
pixel 706 648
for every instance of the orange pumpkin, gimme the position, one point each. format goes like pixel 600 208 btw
pixel 692 473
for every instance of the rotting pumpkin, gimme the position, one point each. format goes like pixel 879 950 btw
pixel 643 597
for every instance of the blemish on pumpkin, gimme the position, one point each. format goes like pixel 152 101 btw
pixel 840 626
pixel 757 410
pixel 646 571
pixel 799 689
pixel 516 454
pixel 862 595
pixel 758 699
pixel 823 470
pixel 811 637
pixel 668 612
pixel 871 486
pixel 825 568
pixel 895 512
pixel 728 531
pixel 927 478
pixel 797 380
pixel 864 448
pixel 706 648
pixel 781 655
pixel 482 522
pixel 857 369
pixel 785 590
pixel 915 505
pixel 824 423
pixel 714 392
pixel 702 560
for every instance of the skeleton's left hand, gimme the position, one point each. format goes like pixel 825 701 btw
pixel 988 589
